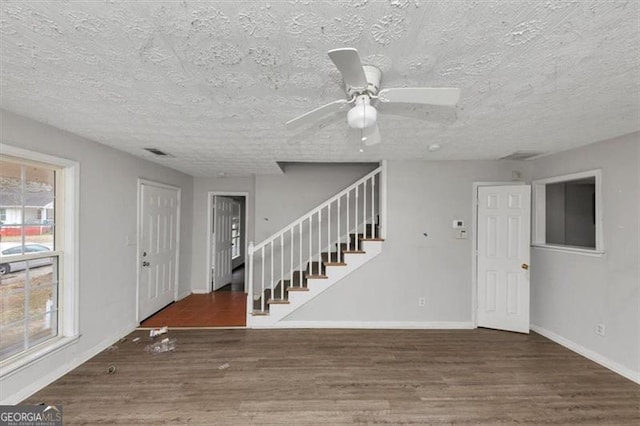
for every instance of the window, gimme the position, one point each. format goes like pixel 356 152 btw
pixel 567 212
pixel 37 268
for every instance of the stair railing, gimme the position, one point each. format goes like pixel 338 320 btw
pixel 299 246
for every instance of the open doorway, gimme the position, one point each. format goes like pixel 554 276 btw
pixel 227 241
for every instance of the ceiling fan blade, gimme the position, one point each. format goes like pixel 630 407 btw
pixel 348 62
pixel 443 96
pixel 372 133
pixel 313 115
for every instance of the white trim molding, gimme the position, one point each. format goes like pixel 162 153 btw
pixel 69 299
pixel 400 325
pixel 589 354
pixel 210 213
pixel 538 209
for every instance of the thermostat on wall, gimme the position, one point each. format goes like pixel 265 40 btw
pixel 457 223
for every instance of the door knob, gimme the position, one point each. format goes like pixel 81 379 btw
pixel 524 266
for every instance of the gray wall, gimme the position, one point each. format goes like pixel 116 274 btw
pixel 580 228
pixel 555 214
pixel 423 197
pixel 284 198
pixel 570 217
pixel 571 293
pixel 108 211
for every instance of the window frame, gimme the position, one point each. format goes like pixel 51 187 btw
pixel 66 237
pixel 538 223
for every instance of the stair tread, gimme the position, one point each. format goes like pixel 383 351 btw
pixel 371 239
pixel 259 313
pixel 354 251
pixel 335 264
pixel 298 289
pixel 277 301
pixel 316 277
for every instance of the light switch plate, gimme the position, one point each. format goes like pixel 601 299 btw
pixel 458 223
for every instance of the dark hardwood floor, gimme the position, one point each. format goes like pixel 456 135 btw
pixel 334 377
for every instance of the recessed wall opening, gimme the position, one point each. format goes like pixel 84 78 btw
pixel 568 211
pixel 571 213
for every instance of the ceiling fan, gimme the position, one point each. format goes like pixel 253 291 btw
pixel 362 84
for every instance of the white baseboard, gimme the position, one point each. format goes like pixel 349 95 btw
pixel 589 354
pixel 183 295
pixel 200 291
pixel 421 325
pixel 54 375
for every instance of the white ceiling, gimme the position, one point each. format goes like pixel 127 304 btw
pixel 212 83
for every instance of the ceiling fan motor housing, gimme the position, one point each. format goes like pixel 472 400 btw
pixel 374 78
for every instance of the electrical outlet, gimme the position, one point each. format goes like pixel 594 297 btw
pixel 422 301
pixel 600 329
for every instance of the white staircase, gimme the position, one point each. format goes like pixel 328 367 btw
pixel 316 251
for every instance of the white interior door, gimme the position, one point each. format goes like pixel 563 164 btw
pixel 222 250
pixel 158 237
pixel 504 216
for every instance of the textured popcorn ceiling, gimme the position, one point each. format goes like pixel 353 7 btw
pixel 212 83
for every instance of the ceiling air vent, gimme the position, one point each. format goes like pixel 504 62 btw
pixel 156 151
pixel 522 155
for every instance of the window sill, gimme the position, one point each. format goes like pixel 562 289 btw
pixel 22 361
pixel 570 250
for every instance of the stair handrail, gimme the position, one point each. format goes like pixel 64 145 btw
pixel 256 247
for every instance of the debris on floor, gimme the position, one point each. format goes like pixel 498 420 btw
pixel 164 345
pixel 158 331
pixel 224 366
pixel 135 339
pixel 111 369
pixel 112 348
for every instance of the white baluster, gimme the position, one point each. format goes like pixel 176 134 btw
pixel 339 239
pixel 373 206
pixel 356 219
pixel 382 210
pixel 348 229
pixel 263 260
pixel 291 259
pixel 319 239
pixel 364 208
pixel 271 284
pixel 310 249
pixel 281 266
pixel 329 232
pixel 300 272
pixel 250 277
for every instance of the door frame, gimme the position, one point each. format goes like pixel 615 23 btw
pixel 474 251
pixel 178 189
pixel 210 196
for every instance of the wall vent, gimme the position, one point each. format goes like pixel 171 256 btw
pixel 522 155
pixel 158 152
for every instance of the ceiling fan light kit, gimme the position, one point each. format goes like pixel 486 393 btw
pixel 362 114
pixel 362 86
